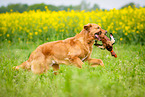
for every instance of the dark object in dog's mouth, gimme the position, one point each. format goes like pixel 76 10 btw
pixel 97 37
pixel 105 42
pixel 113 54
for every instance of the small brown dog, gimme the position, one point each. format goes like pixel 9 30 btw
pixel 71 51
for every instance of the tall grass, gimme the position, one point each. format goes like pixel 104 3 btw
pixel 122 77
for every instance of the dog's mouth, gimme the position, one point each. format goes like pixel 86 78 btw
pixel 97 37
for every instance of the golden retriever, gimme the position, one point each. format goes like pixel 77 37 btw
pixel 71 51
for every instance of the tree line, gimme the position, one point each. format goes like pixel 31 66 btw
pixel 24 7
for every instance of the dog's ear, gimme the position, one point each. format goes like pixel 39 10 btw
pixel 87 27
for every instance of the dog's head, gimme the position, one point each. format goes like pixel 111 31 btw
pixel 98 33
pixel 95 31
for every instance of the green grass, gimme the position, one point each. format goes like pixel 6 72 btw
pixel 122 77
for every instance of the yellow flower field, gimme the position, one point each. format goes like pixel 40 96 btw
pixel 127 25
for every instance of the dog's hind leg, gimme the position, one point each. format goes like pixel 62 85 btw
pixel 38 66
pixel 55 68
pixel 95 62
pixel 38 63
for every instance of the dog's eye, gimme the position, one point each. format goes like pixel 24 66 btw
pixel 99 33
pixel 98 28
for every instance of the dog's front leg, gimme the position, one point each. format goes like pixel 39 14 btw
pixel 95 62
pixel 77 62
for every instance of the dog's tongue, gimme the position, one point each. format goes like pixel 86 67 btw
pixel 96 36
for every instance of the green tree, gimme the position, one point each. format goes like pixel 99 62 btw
pixel 130 4
pixel 3 9
pixel 17 7
pixel 37 6
pixel 96 6
pixel 85 5
pixel 42 7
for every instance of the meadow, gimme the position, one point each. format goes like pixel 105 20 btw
pixel 124 76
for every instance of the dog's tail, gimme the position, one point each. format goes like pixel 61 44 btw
pixel 24 65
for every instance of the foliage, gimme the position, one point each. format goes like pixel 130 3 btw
pixel 96 6
pixel 24 7
pixel 126 24
pixel 3 9
pixel 122 77
pixel 133 5
pixel 42 7
pixel 15 7
pixel 82 6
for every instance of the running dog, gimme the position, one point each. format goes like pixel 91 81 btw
pixel 71 51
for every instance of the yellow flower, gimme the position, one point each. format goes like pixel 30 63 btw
pixel 113 32
pixel 40 30
pixel 133 30
pixel 141 26
pixel 8 35
pixel 46 7
pixel 127 28
pixel 137 31
pixel 0 34
pixel 30 34
pixel 121 39
pixel 99 24
pixel 9 41
pixel 62 30
pixel 36 33
pixel 120 23
pixel 114 9
pixel 27 30
pixel 11 10
pixel 129 6
pixel 125 33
